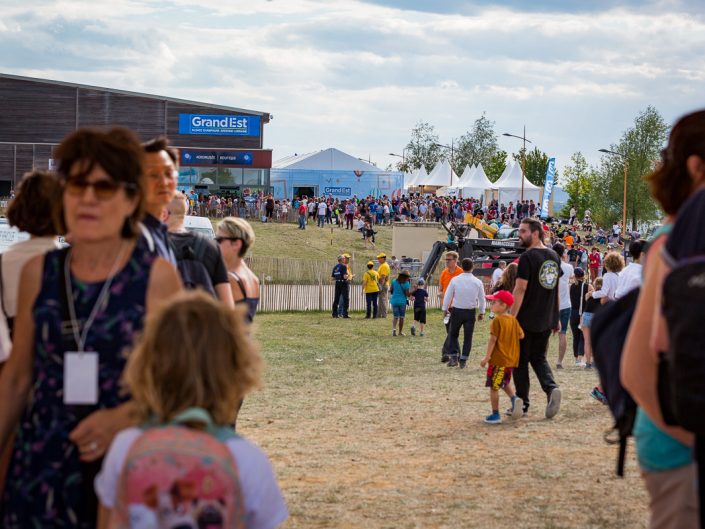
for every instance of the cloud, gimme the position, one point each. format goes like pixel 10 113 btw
pixel 357 75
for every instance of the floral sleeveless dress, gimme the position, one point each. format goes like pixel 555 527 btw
pixel 47 486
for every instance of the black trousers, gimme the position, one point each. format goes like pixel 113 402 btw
pixel 371 299
pixel 578 338
pixel 464 318
pixel 532 350
pixel 449 349
pixel 341 299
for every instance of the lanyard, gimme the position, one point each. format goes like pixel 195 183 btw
pixel 101 302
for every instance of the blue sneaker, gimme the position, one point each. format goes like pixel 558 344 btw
pixel 495 418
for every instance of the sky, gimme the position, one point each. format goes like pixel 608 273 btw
pixel 357 75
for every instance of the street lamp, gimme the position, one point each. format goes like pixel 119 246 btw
pixel 451 147
pixel 402 156
pixel 626 168
pixel 523 157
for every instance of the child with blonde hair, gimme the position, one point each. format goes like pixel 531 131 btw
pixel 186 466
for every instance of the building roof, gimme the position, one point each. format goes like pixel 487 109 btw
pixel 328 160
pixel 265 115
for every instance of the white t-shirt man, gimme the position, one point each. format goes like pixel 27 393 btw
pixel 564 286
pixel 263 501
pixel 616 230
pixel 322 207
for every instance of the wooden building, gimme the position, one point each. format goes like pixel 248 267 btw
pixel 220 146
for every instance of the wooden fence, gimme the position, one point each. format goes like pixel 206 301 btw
pixel 296 298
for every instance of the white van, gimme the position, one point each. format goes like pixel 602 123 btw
pixel 201 225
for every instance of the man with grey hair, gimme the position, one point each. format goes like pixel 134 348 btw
pixel 198 258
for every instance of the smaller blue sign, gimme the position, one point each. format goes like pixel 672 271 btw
pixel 337 191
pixel 216 157
pixel 219 125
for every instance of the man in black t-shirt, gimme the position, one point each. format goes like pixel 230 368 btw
pixel 207 252
pixel 536 309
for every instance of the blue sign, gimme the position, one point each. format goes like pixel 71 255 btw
pixel 548 187
pixel 216 157
pixel 337 191
pixel 219 125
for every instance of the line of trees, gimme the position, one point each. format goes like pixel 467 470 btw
pixel 479 145
pixel 597 188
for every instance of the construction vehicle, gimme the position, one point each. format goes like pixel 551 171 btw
pixel 485 253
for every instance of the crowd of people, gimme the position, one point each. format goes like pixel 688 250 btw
pixel 94 417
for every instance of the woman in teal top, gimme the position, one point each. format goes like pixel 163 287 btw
pixel 664 453
pixel 400 294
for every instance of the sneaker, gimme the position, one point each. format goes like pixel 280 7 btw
pixel 445 359
pixel 581 364
pixel 554 403
pixel 559 366
pixel 577 363
pixel 394 332
pixel 598 395
pixel 517 409
pixel 401 334
pixel 413 331
pixel 462 364
pixel 453 362
pixel 421 334
pixel 495 418
pixel 588 366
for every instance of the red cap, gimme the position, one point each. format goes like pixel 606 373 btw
pixel 504 296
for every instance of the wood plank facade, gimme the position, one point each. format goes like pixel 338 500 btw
pixel 36 114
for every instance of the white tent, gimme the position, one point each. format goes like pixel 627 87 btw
pixel 442 175
pixel 509 187
pixel 466 176
pixel 327 160
pixel 419 176
pixel 476 184
pixel 507 170
pixel 409 179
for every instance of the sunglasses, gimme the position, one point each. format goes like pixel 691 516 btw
pixel 102 189
pixel 220 239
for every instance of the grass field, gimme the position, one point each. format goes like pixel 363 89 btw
pixel 367 430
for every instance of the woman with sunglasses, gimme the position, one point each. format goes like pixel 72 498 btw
pixel 79 311
pixel 235 237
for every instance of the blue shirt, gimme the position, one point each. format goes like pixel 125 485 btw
pixel 420 296
pixel 655 449
pixel 398 297
pixel 160 236
pixel 339 272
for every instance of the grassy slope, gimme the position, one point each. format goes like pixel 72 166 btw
pixel 366 430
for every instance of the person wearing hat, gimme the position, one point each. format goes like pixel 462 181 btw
pixel 370 286
pixel 400 295
pixel 502 356
pixel 384 274
pixel 342 288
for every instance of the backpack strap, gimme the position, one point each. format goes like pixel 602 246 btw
pixel 147 236
pixel 2 292
pixel 199 415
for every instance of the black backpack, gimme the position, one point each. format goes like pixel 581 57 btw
pixel 189 260
pixel 608 334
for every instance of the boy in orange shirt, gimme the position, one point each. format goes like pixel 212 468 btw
pixel 502 356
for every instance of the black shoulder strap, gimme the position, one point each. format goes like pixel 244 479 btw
pixel 239 283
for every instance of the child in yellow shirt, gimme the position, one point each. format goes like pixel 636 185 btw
pixel 502 356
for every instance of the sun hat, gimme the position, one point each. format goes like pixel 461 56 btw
pixel 382 256
pixel 370 263
pixel 504 296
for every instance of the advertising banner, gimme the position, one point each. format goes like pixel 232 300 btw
pixel 219 125
pixel 216 157
pixel 548 187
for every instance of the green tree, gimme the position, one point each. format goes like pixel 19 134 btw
pixel 496 165
pixel 640 147
pixel 536 165
pixel 578 182
pixel 478 145
pixel 422 149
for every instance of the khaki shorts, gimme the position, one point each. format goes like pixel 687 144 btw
pixel 673 498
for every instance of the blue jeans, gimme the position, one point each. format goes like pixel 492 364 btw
pixel 371 299
pixel 302 222
pixel 321 220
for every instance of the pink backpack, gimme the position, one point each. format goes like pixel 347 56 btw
pixel 179 477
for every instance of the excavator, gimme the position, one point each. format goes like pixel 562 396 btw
pixel 485 252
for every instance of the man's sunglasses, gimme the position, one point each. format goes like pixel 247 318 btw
pixel 103 189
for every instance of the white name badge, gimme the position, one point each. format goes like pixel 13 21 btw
pixel 80 378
